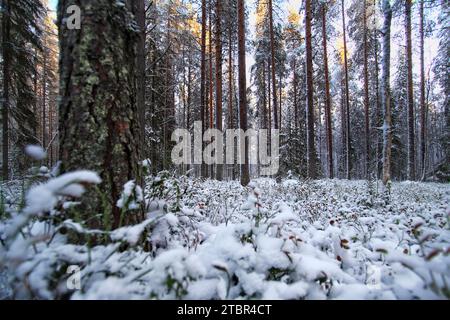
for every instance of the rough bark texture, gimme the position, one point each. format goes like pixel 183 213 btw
pixel 6 25
pixel 245 174
pixel 329 131
pixel 99 123
pixel 386 101
pixel 410 95
pixel 311 151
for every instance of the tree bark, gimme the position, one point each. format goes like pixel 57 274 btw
pixel 422 93
pixel 6 29
pixel 410 94
pixel 311 152
pixel 378 150
pixel 386 101
pixel 366 93
pixel 230 88
pixel 230 79
pixel 295 84
pixel 99 126
pixel 44 100
pixel 272 62
pixel 327 95
pixel 218 40
pixel 139 11
pixel 203 103
pixel 245 174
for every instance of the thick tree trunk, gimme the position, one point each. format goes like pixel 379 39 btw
pixel 99 126
pixel 366 94
pixel 218 40
pixel 386 101
pixel 311 151
pixel 422 94
pixel 347 98
pixel 6 25
pixel 272 62
pixel 410 95
pixel 245 174
pixel 329 131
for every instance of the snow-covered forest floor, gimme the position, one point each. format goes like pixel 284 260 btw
pixel 327 239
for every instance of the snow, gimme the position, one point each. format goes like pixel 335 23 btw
pixel 36 152
pixel 131 197
pixel 327 239
pixel 44 197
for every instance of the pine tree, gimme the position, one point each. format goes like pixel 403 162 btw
pixel 386 99
pixel 99 121
pixel 245 174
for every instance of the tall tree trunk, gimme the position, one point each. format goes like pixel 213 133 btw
pixel 35 89
pixel 378 150
pixel 366 94
pixel 327 95
pixel 410 95
pixel 386 101
pixel 280 86
pixel 347 98
pixel 167 93
pixel 245 174
pixel 6 25
pixel 218 40
pixel 422 94
pixel 211 93
pixel 343 126
pixel 211 80
pixel 295 85
pixel 230 89
pixel 274 74
pixel 311 151
pixel 139 11
pixel 99 126
pixel 230 79
pixel 44 100
pixel 203 97
pixel 269 81
pixel 189 98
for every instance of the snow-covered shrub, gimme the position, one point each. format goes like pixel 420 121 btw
pixel 218 240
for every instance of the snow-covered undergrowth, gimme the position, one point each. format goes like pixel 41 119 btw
pixel 326 239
